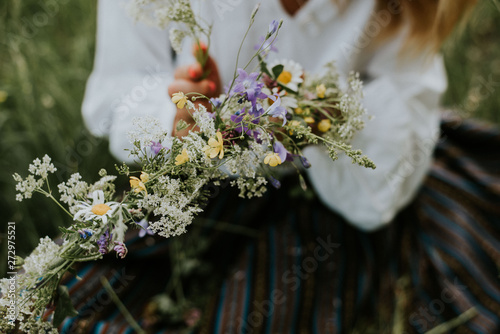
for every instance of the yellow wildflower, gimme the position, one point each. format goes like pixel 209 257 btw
pixel 272 159
pixel 180 99
pixel 309 120
pixel 299 111
pixel 293 124
pixel 182 158
pixel 138 185
pixel 320 91
pixel 324 125
pixel 215 146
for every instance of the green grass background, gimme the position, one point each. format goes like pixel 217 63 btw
pixel 46 55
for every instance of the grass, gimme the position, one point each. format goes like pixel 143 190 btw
pixel 473 65
pixel 46 56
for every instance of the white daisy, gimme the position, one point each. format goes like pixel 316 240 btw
pixel 98 210
pixel 287 101
pixel 291 76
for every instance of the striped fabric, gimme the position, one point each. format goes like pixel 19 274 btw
pixel 308 271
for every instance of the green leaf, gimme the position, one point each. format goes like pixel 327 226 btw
pixel 64 308
pixel 65 230
pixel 277 70
pixel 181 125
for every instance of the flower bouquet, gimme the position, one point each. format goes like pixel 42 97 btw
pixel 263 120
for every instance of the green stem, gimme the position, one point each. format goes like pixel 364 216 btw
pixel 120 306
pixel 448 326
pixel 175 282
pixel 56 201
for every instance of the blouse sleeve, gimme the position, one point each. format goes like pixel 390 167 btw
pixel 402 96
pixel 132 68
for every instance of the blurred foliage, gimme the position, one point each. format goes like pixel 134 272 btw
pixel 46 54
pixel 472 56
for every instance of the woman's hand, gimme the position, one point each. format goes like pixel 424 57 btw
pixel 194 79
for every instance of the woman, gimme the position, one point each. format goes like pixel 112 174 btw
pixel 409 245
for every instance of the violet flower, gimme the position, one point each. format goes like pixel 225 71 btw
pixel 279 148
pixel 274 182
pixel 156 147
pixel 305 162
pixel 144 228
pixel 273 27
pixel 266 44
pixel 238 118
pixel 85 233
pixel 216 102
pixel 103 242
pixel 248 85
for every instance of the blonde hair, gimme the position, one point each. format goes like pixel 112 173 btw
pixel 429 22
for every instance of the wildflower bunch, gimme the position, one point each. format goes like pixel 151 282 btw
pixel 263 120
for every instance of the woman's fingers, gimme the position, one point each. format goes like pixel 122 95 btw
pixel 192 72
pixel 205 87
pixel 196 73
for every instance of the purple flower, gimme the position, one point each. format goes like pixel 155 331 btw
pixel 259 133
pixel 282 152
pixel 276 110
pixel 103 242
pixel 257 110
pixel 266 44
pixel 248 85
pixel 238 118
pixel 273 27
pixel 305 162
pixel 274 182
pixel 216 102
pixel 156 147
pixel 144 228
pixel 120 249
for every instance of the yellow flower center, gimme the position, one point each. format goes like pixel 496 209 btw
pixel 100 209
pixel 285 77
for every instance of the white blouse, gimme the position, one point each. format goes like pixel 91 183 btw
pixel 134 65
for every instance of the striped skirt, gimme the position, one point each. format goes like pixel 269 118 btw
pixel 307 271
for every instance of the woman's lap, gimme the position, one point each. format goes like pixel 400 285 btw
pixel 308 271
